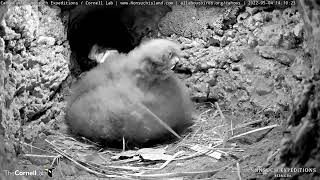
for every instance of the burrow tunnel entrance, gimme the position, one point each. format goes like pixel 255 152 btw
pixel 118 28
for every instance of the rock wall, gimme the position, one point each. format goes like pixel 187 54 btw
pixel 199 22
pixel 34 64
pixel 248 58
pixel 301 145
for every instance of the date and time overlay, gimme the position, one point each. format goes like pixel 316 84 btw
pixel 221 3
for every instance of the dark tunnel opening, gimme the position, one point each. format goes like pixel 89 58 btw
pixel 90 25
pixel 118 28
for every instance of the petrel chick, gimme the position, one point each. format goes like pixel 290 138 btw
pixel 134 96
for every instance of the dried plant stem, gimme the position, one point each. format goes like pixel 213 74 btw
pixel 165 125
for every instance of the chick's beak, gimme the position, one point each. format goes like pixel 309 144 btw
pixel 174 61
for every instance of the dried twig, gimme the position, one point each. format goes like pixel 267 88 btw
pixel 123 144
pixel 214 115
pixel 247 124
pixel 125 168
pixel 165 125
pixel 217 148
pixel 168 161
pixel 231 127
pixel 31 146
pixel 82 166
pixel 181 142
pixel 223 120
pixel 220 112
pixel 238 171
pixel 145 168
pixel 59 167
pixel 270 157
pixel 181 174
pixel 198 153
pixel 194 155
pixel 196 132
pixel 253 131
pixel 41 156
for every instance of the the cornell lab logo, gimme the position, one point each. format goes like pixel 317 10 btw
pixel 49 170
